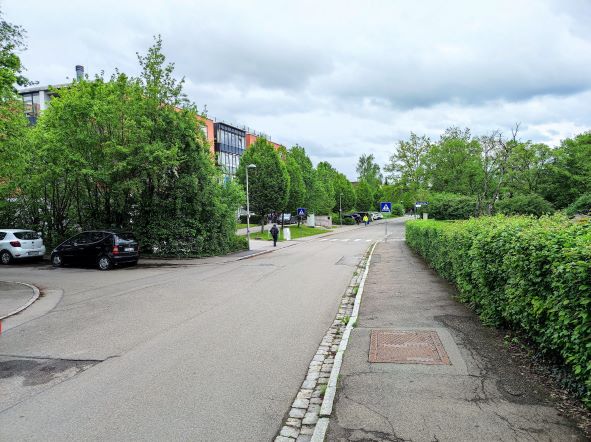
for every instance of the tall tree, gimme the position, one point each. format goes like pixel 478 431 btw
pixel 567 175
pixel 325 192
pixel 407 164
pixel 297 188
pixel 366 196
pixel 368 170
pixel 269 182
pixel 345 198
pixel 11 68
pixel 121 153
pixel 14 149
pixel 298 153
pixel 454 163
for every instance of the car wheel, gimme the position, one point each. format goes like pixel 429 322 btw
pixel 5 257
pixel 56 260
pixel 104 263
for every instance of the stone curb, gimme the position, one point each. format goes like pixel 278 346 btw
pixel 29 302
pixel 305 420
pixel 328 402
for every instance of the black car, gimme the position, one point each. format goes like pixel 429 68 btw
pixel 102 248
pixel 355 216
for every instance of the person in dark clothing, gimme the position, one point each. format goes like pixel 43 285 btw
pixel 275 234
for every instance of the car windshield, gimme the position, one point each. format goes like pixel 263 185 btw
pixel 27 234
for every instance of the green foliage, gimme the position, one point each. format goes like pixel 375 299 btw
pixel 11 68
pixel 568 174
pixel 581 206
pixel 397 210
pixel 336 220
pixel 525 273
pixel 324 190
pixel 365 196
pixel 297 187
pixel 14 148
pixel 345 197
pixel 368 170
pixel 298 153
pixel 128 153
pixel 450 206
pixel 524 205
pixel 454 164
pixel 254 219
pixel 407 164
pixel 269 182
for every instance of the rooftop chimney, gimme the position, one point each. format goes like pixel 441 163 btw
pixel 79 72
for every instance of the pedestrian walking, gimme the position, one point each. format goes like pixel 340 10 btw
pixel 275 234
pixel 365 220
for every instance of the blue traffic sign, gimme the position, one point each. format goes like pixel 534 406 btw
pixel 386 207
pixel 301 211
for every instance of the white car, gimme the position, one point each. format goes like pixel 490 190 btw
pixel 19 244
pixel 376 215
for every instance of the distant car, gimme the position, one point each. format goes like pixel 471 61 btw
pixel 376 215
pixel 102 248
pixel 285 218
pixel 362 214
pixel 20 244
pixel 354 216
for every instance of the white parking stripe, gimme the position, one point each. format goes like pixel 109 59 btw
pixel 358 239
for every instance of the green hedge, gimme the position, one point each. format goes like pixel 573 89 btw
pixel 532 275
pixel 524 205
pixel 581 206
pixel 397 210
pixel 450 206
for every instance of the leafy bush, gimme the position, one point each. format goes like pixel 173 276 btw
pixel 524 205
pixel 582 205
pixel 397 210
pixel 336 220
pixel 533 275
pixel 450 206
pixel 254 219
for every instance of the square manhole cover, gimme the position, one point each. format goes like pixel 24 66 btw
pixel 407 347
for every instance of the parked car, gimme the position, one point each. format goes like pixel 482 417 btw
pixel 285 218
pixel 376 215
pixel 102 248
pixel 355 216
pixel 20 244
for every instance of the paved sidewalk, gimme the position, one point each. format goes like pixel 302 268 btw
pixel 13 297
pixel 467 389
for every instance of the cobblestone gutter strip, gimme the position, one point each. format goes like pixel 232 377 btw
pixel 308 417
pixel 34 297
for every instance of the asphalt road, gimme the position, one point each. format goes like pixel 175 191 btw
pixel 208 350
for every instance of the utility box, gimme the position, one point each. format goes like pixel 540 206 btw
pixel 311 220
pixel 425 215
pixel 286 234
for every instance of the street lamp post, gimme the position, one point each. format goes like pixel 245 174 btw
pixel 250 166
pixel 341 208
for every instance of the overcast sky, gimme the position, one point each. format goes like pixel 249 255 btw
pixel 340 78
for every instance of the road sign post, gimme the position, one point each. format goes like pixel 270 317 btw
pixel 301 213
pixel 386 207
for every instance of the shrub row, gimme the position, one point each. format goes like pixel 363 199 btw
pixel 532 275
